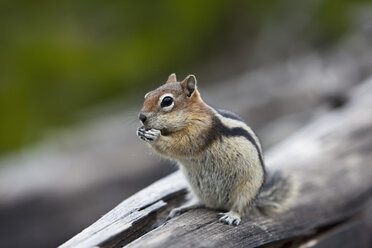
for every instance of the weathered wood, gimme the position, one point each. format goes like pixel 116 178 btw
pixel 134 215
pixel 353 233
pixel 330 160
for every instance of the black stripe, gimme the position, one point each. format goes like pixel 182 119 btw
pixel 238 131
pixel 219 129
pixel 229 114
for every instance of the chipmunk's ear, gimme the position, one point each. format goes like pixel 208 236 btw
pixel 172 78
pixel 189 85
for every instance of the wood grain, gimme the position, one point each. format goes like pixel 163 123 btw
pixel 133 215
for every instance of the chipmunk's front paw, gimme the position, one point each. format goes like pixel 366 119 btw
pixel 229 218
pixel 149 136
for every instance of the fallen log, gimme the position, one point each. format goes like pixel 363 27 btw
pixel 330 160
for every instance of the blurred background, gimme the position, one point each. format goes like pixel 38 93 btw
pixel 73 75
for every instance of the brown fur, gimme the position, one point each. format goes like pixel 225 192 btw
pixel 197 120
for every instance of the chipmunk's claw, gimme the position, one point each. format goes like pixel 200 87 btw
pixel 229 218
pixel 149 136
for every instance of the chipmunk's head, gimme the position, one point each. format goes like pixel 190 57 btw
pixel 168 108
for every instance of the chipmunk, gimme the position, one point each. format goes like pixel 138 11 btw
pixel 219 154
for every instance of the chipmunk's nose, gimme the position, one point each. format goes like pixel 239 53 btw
pixel 142 117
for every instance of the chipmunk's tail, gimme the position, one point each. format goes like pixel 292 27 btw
pixel 276 194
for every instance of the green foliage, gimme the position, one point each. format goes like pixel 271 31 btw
pixel 60 57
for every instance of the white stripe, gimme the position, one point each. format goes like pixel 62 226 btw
pixel 231 123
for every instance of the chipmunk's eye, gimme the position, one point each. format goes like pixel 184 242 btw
pixel 167 101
